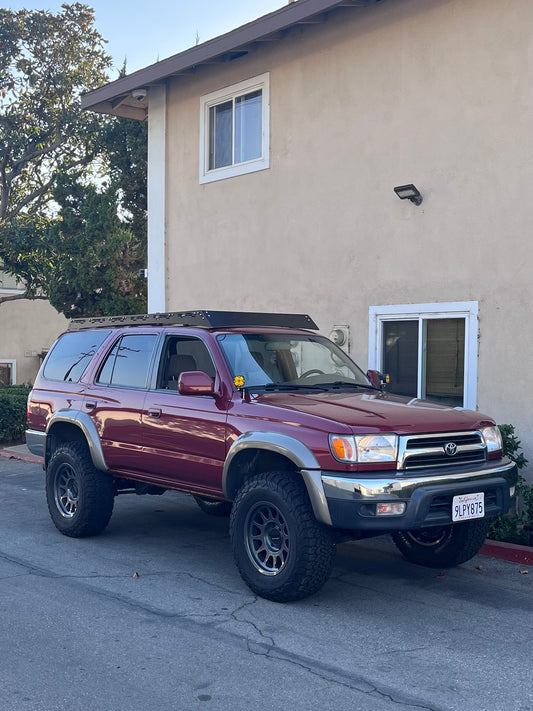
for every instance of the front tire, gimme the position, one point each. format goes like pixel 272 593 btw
pixel 282 552
pixel 80 497
pixel 442 547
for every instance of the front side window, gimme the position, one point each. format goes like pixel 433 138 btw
pixel 429 351
pixel 181 354
pixel 234 130
pixel 128 362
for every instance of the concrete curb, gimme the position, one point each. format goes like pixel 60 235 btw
pixel 24 457
pixel 508 551
pixel 493 549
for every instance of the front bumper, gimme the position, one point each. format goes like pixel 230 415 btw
pixel 349 503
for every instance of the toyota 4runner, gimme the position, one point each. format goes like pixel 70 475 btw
pixel 261 419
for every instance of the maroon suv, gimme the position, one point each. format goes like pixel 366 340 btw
pixel 260 418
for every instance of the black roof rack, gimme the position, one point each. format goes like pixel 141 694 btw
pixel 205 319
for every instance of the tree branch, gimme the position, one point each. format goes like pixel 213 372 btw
pixel 35 195
pixel 32 155
pixel 22 295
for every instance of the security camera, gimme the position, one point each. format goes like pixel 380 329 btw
pixel 139 94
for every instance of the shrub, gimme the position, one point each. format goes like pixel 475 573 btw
pixel 13 412
pixel 516 527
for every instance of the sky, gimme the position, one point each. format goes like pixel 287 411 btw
pixel 146 32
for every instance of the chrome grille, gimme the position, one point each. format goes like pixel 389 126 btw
pixel 418 451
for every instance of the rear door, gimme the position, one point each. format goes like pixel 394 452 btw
pixel 116 398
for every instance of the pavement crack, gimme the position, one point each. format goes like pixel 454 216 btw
pixel 267 643
pixel 350 681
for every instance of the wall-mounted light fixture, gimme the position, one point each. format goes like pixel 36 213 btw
pixel 408 192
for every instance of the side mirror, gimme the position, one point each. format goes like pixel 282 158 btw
pixel 195 382
pixel 376 378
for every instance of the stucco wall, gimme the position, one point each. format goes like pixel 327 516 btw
pixel 435 92
pixel 26 328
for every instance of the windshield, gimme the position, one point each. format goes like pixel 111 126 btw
pixel 287 360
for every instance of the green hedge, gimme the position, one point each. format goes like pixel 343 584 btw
pixel 516 527
pixel 13 412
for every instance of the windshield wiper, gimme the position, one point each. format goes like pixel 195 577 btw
pixel 285 387
pixel 347 384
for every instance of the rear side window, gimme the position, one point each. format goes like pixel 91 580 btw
pixel 128 362
pixel 72 353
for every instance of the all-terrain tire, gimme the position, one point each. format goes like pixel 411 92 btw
pixel 80 497
pixel 282 552
pixel 442 547
pixel 213 507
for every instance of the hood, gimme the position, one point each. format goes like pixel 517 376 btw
pixel 375 412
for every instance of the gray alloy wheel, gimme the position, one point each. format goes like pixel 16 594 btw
pixel 267 538
pixel 66 490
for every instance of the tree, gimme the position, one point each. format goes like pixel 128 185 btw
pixel 46 62
pixel 124 143
pixel 87 259
pixel 72 206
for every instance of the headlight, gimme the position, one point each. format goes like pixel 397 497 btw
pixel 493 440
pixel 363 449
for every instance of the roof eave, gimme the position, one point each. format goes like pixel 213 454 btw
pixel 110 98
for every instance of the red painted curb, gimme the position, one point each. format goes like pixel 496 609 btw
pixel 23 457
pixel 508 551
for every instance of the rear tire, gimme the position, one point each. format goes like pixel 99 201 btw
pixel 282 552
pixel 442 547
pixel 213 507
pixel 80 497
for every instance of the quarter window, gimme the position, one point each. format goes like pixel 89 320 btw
pixel 428 351
pixel 234 130
pixel 72 354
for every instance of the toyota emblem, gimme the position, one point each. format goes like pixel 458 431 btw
pixel 451 449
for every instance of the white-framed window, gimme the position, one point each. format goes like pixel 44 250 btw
pixel 429 351
pixel 8 371
pixel 234 130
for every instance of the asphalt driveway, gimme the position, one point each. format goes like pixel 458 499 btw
pixel 152 614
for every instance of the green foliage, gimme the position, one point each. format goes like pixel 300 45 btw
pixel 46 62
pixel 72 183
pixel 86 260
pixel 13 412
pixel 97 274
pixel 124 144
pixel 514 528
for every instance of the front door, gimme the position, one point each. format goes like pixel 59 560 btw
pixel 184 435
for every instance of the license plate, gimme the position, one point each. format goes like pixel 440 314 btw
pixel 468 506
